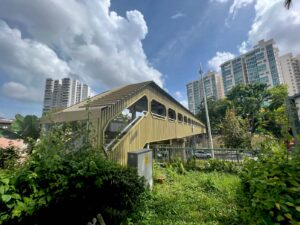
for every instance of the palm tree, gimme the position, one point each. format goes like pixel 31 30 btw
pixel 288 3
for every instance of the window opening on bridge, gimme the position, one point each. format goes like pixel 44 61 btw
pixel 185 119
pixel 158 109
pixel 171 114
pixel 180 118
pixel 120 125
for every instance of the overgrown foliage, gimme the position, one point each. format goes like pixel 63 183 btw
pixel 191 197
pixel 8 157
pixel 271 188
pixel 61 184
pixel 213 165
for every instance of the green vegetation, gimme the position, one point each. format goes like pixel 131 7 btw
pixel 8 134
pixel 27 127
pixel 189 197
pixel 271 187
pixel 254 192
pixel 8 157
pixel 235 131
pixel 66 184
pixel 257 109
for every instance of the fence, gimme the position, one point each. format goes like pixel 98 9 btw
pixel 163 153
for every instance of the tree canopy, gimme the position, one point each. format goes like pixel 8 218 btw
pixel 263 109
pixel 26 127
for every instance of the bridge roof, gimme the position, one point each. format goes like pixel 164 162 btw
pixel 113 96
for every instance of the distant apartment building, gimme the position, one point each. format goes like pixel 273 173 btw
pixel 260 65
pixel 290 69
pixel 213 89
pixel 64 93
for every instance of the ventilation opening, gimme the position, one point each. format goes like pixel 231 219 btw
pixel 180 118
pixel 171 114
pixel 158 109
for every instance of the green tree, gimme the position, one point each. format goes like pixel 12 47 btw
pixel 217 110
pixel 26 127
pixel 248 101
pixel 275 118
pixel 235 132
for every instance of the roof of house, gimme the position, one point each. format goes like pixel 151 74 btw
pixel 16 143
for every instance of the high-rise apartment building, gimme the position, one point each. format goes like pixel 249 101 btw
pixel 193 95
pixel 48 95
pixel 290 69
pixel 64 93
pixel 213 89
pixel 260 65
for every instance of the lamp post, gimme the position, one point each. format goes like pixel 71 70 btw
pixel 210 141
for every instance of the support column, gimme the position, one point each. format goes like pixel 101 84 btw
pixel 184 158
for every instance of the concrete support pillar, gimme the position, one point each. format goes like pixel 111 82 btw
pixel 184 158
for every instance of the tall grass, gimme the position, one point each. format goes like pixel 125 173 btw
pixel 189 197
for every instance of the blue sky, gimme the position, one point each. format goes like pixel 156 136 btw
pixel 112 43
pixel 195 35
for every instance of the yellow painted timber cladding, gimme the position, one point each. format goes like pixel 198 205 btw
pixel 105 107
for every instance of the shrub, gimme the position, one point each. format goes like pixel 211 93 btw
pixel 271 188
pixel 8 157
pixel 59 185
pixel 213 165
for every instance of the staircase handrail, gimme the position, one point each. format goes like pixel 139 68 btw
pixel 125 130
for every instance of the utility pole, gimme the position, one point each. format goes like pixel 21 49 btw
pixel 210 141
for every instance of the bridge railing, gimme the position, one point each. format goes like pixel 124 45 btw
pixel 169 154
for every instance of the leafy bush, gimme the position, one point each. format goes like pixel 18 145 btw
pixel 271 188
pixel 8 157
pixel 60 185
pixel 213 165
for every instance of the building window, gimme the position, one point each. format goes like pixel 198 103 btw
pixel 185 119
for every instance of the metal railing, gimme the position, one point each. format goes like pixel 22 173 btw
pixel 163 153
pixel 123 132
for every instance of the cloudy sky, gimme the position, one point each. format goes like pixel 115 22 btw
pixel 108 43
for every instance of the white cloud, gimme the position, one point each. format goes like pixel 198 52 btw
pixel 220 57
pixel 27 63
pixel 244 47
pixel 104 49
pixel 177 15
pixel 178 94
pixel 237 5
pixel 272 20
pixel 219 1
pixel 184 103
pixel 20 92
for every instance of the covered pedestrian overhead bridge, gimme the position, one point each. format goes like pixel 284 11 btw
pixel 131 117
